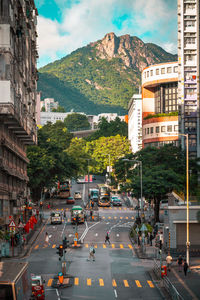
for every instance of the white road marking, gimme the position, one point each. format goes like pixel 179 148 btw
pixel 86 231
pixel 50 236
pixel 63 230
pixel 107 223
pixel 115 293
pixel 58 294
pixel 117 235
pixel 96 234
pixel 70 235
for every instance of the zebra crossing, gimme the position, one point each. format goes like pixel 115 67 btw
pixel 94 282
pixel 97 245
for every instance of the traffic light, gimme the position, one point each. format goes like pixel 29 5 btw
pixel 65 243
pixel 60 251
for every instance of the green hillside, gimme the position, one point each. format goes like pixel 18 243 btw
pixel 93 81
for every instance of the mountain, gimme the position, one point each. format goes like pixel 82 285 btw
pixel 102 76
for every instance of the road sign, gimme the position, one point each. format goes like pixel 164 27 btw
pixel 12 224
pixel 12 229
pixel 143 228
pixel 21 225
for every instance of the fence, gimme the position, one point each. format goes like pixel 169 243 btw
pixel 170 288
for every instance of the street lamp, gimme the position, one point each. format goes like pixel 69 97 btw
pixel 88 159
pixel 187 196
pixel 140 163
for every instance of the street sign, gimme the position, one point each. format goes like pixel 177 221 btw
pixel 12 224
pixel 12 229
pixel 21 225
pixel 143 228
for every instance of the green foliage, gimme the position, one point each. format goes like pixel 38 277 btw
pixel 76 121
pixel 43 109
pixel 163 170
pixel 150 116
pixel 48 161
pixel 106 129
pixel 84 82
pixel 59 109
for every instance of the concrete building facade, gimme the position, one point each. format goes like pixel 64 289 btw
pixel 188 67
pixel 18 76
pixel 160 104
pixel 49 104
pixel 135 122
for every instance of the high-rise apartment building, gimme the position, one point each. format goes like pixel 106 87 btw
pixel 135 122
pixel 188 73
pixel 18 76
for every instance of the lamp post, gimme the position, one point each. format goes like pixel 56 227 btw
pixel 187 197
pixel 141 188
pixel 88 159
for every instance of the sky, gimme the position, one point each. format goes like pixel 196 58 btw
pixel 66 25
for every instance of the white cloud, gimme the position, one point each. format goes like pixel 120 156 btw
pixel 170 47
pixel 86 21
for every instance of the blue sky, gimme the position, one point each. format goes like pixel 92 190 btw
pixel 65 25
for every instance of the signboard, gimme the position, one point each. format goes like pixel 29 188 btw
pixel 12 224
pixel 109 169
pixel 143 228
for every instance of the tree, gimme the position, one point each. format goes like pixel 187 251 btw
pixel 59 109
pixel 43 109
pixel 111 128
pixel 163 170
pixel 76 121
pixel 100 149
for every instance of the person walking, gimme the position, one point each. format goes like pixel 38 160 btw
pixel 47 239
pixel 185 267
pixel 179 262
pixel 107 238
pixel 169 261
pixel 92 204
pixel 91 253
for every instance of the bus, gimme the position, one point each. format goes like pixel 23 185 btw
pixel 104 195
pixel 94 195
pixel 63 190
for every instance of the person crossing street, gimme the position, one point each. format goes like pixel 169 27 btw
pixel 107 239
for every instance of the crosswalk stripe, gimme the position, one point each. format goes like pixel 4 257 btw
pixel 89 281
pixel 121 217
pixel 150 283
pixel 103 217
pixel 114 283
pixel 36 247
pixel 109 217
pixel 126 283
pixel 104 246
pixel 68 220
pixel 132 218
pixel 50 282
pixel 76 281
pixel 121 246
pixel 115 217
pixel 54 246
pixel 95 246
pixel 138 283
pixel 113 245
pixel 126 217
pixel 86 245
pixel 130 246
pixel 101 282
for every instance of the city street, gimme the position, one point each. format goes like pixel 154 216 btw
pixel 116 271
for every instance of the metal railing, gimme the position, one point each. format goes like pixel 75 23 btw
pixel 170 288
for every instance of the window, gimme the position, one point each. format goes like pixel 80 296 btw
pixel 147 130
pixel 176 128
pixel 151 72
pixel 175 69
pixel 157 71
pixel 169 128
pixel 163 129
pixel 147 73
pixel 151 129
pixel 157 129
pixel 169 70
pixel 162 70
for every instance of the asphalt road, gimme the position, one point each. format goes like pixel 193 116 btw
pixel 116 272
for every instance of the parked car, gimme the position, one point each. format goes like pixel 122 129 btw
pixel 77 195
pixel 70 200
pixel 116 202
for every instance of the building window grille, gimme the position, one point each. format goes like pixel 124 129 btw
pixel 157 129
pixel 151 72
pixel 169 128
pixel 169 70
pixel 151 129
pixel 147 130
pixel 157 71
pixel 163 128
pixel 162 70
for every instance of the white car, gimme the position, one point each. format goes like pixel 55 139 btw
pixel 77 195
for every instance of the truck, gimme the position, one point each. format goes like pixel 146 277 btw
pixel 14 281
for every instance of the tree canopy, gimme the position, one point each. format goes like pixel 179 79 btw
pixel 76 121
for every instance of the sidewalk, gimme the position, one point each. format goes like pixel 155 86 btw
pixel 187 286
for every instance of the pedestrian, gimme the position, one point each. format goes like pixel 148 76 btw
pixel 107 238
pixel 46 238
pixel 185 267
pixel 169 261
pixel 179 262
pixel 92 204
pixel 64 214
pixel 91 213
pixel 91 253
pixel 151 239
pixel 49 205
